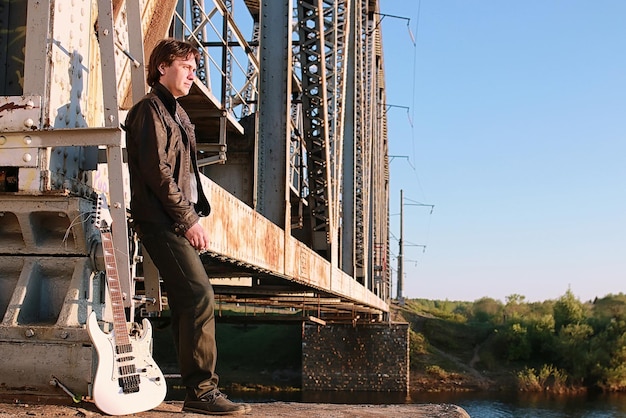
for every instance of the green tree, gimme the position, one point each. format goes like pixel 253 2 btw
pixel 515 307
pixel 567 310
pixel 487 310
pixel 609 355
pixel 613 376
pixel 610 307
pixel 518 343
pixel 541 337
pixel 573 345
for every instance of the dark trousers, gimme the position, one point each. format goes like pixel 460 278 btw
pixel 192 303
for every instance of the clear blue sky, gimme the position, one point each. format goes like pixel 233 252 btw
pixel 516 132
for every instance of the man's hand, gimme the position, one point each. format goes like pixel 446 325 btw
pixel 197 237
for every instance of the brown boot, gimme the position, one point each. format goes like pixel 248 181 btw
pixel 213 403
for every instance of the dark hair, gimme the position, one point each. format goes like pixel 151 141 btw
pixel 165 52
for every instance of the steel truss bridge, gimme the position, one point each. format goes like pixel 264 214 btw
pixel 289 108
pixel 304 144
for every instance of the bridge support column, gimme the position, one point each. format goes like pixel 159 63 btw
pixel 366 357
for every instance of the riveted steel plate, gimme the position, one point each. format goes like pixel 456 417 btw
pixel 20 113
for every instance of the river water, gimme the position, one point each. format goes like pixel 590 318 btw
pixel 477 405
pixel 516 405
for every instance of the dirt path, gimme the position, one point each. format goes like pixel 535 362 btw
pixel 469 369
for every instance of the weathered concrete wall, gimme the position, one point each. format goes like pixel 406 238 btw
pixel 372 357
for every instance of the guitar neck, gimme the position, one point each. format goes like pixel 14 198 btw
pixel 122 340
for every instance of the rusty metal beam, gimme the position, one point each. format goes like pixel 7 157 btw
pixel 272 190
pixel 312 44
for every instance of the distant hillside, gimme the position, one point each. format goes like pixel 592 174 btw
pixel 446 354
pixel 559 346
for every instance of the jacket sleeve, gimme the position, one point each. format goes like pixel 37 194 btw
pixel 154 141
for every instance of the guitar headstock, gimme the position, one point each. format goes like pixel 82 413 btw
pixel 103 219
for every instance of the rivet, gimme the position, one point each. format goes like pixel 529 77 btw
pixel 28 122
pixel 29 333
pixel 27 157
pixel 27 140
pixel 30 104
pixel 3 140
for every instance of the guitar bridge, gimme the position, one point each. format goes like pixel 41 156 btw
pixel 129 384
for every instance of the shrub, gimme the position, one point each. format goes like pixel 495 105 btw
pixel 548 379
pixel 437 371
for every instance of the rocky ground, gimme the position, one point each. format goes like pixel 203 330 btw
pixel 259 410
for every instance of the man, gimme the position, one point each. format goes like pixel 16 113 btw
pixel 167 202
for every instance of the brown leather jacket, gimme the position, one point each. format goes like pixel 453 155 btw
pixel 159 153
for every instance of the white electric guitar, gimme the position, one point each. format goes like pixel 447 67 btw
pixel 127 379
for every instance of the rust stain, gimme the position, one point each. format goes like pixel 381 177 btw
pixel 12 106
pixel 304 264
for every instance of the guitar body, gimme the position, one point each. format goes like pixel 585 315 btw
pixel 110 393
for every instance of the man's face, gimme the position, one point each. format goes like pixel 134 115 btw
pixel 178 77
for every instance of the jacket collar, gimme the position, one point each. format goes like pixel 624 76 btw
pixel 166 97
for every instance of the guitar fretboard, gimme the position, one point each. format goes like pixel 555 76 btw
pixel 122 341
